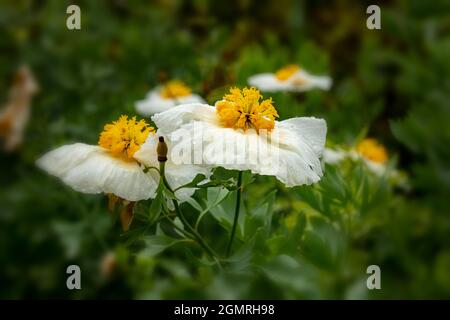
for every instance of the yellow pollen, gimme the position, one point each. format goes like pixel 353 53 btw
pixel 372 150
pixel 124 137
pixel 241 109
pixel 287 72
pixel 175 89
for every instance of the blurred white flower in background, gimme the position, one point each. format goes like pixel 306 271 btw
pixel 290 78
pixel 369 150
pixel 164 97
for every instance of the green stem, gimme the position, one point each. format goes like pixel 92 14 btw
pixel 183 219
pixel 184 232
pixel 197 236
pixel 236 212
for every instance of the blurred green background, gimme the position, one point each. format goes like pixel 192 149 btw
pixel 392 84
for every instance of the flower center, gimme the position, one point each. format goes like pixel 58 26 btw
pixel 241 109
pixel 175 89
pixel 372 150
pixel 125 136
pixel 287 72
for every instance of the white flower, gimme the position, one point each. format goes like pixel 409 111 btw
pixel 116 166
pixel 92 169
pixel 290 78
pixel 372 153
pixel 241 133
pixel 165 97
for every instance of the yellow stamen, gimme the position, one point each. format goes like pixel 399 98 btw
pixel 286 72
pixel 372 150
pixel 241 109
pixel 175 89
pixel 125 136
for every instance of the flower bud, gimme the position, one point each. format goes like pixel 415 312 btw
pixel 161 150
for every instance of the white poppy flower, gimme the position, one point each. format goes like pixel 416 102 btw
pixel 167 96
pixel 108 168
pixel 290 78
pixel 369 150
pixel 91 169
pixel 241 133
pixel 116 166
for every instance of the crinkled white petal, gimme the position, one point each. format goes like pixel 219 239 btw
pixel 171 120
pixel 177 174
pixel 291 151
pixel 298 82
pixel 312 129
pixel 155 103
pixel 91 169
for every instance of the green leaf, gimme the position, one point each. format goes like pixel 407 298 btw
pixel 224 212
pixel 214 197
pixel 193 184
pixel 261 217
pixel 247 178
pixel 317 250
pixel 195 204
pixel 230 184
pixel 157 243
pixel 169 194
pixel 293 275
pixel 323 244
